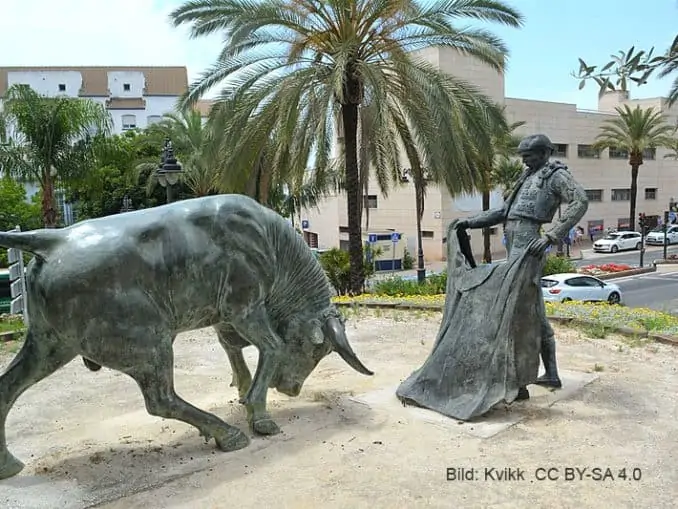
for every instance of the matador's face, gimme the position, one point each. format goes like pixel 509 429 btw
pixel 534 159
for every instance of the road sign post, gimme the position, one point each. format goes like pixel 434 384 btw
pixel 642 223
pixel 665 228
pixel 17 279
pixel 395 237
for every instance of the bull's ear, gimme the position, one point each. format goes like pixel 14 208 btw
pixel 317 336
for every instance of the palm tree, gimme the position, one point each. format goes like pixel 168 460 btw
pixel 635 131
pixel 505 174
pixel 673 147
pixel 504 145
pixel 196 144
pixel 48 140
pixel 303 63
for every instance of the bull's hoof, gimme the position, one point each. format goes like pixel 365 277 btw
pixel 9 466
pixel 265 427
pixel 232 440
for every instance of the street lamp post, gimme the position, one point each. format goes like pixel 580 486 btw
pixel 168 170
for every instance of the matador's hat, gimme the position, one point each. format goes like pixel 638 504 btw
pixel 535 142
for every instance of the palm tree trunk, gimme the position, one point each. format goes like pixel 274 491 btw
pixel 264 185
pixel 633 197
pixel 349 114
pixel 49 213
pixel 487 249
pixel 419 198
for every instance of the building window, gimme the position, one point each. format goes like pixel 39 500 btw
pixel 343 229
pixel 126 87
pixel 587 152
pixel 426 234
pixel 650 193
pixel 594 194
pixel 153 119
pixel 561 150
pixel 618 153
pixel 129 122
pixel 62 87
pixel 650 154
pixel 621 194
pixel 370 201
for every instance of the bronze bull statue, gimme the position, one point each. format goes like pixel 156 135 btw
pixel 117 290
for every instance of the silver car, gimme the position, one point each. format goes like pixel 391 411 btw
pixel 579 287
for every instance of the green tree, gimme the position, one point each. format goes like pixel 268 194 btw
pixel 101 191
pixel 15 210
pixel 48 140
pixel 506 173
pixel 304 64
pixel 632 66
pixel 635 131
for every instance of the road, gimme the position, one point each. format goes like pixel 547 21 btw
pixel 654 290
pixel 626 257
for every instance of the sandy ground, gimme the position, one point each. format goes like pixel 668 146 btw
pixel 88 442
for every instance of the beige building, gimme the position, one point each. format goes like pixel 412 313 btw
pixel 606 175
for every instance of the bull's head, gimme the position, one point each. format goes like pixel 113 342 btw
pixel 307 344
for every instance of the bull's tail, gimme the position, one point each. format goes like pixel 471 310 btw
pixel 92 366
pixel 37 242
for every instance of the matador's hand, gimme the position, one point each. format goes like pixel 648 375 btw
pixel 539 246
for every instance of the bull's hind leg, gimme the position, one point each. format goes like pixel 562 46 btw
pixel 155 377
pixel 38 358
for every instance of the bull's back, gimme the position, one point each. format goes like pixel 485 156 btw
pixel 193 243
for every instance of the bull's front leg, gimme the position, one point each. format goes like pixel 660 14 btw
pixel 257 330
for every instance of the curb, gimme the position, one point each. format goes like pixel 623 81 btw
pixel 623 331
pixel 661 261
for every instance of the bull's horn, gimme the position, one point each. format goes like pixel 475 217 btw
pixel 335 333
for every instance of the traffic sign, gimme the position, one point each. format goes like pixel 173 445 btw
pixel 395 237
pixel 304 224
pixel 371 238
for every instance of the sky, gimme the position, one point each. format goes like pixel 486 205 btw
pixel 543 53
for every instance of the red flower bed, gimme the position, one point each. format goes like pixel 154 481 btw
pixel 606 268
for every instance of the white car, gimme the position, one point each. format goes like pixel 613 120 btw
pixel 618 241
pixel 656 236
pixel 573 286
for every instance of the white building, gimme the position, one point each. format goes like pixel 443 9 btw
pixel 134 96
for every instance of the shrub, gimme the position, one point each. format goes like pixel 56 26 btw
pixel 397 286
pixel 558 265
pixel 337 265
pixel 408 261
